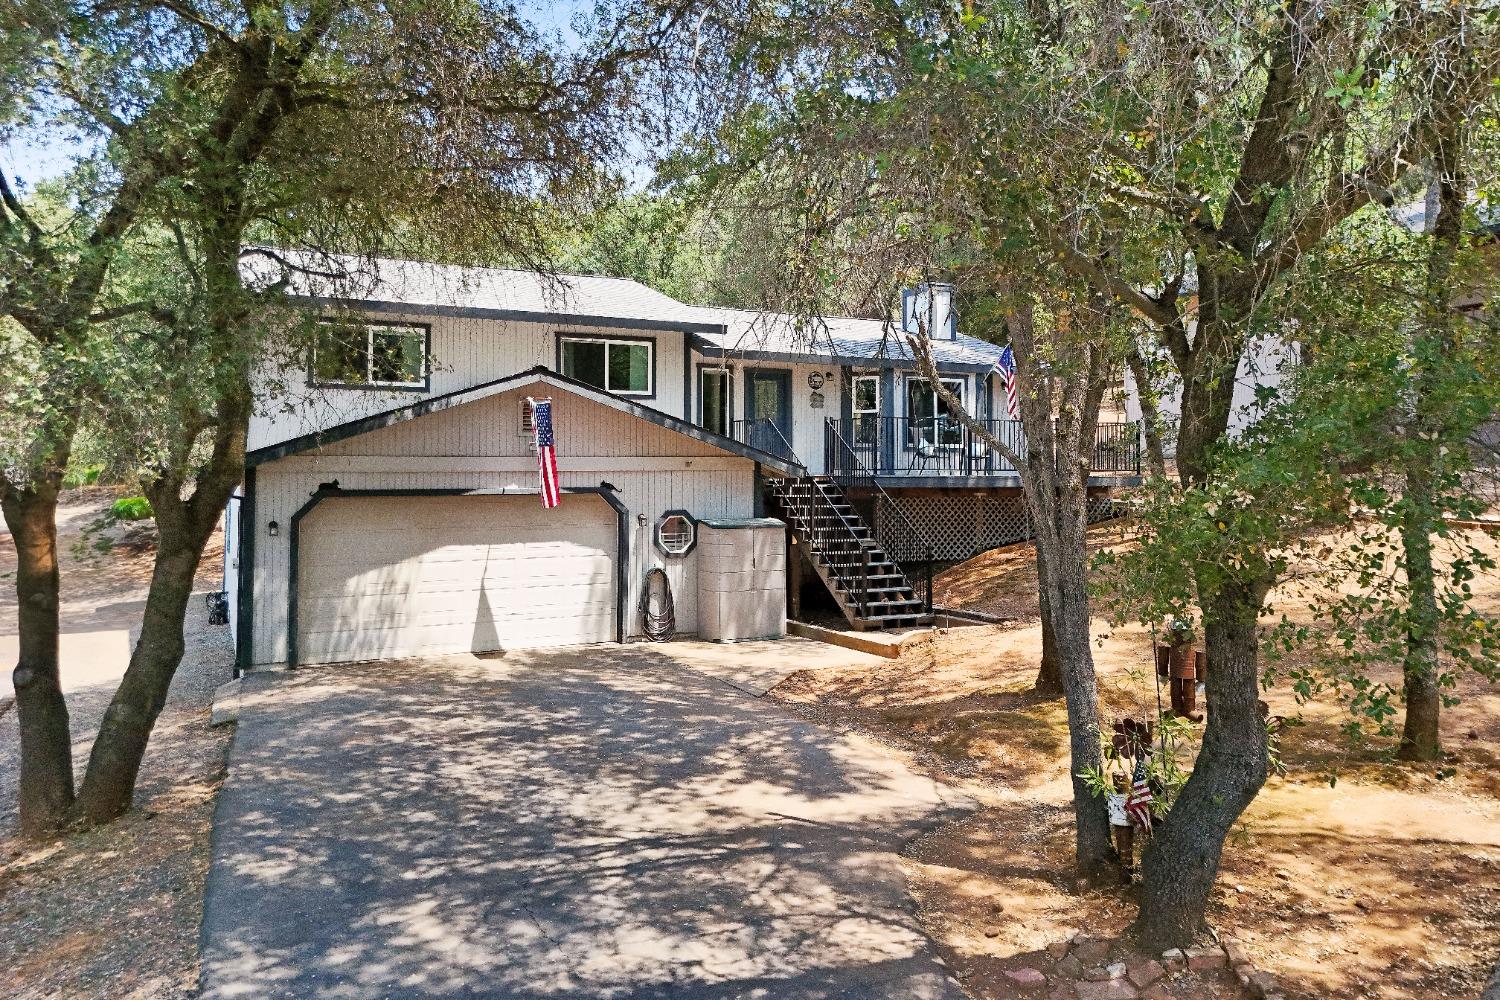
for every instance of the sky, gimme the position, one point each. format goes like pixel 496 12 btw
pixel 36 155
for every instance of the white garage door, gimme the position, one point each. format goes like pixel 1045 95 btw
pixel 382 577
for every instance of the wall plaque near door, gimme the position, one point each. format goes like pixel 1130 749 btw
pixel 816 401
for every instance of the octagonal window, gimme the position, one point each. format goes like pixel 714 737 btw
pixel 676 533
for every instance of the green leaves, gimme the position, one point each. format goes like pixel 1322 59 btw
pixel 131 509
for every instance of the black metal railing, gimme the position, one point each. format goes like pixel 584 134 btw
pixel 942 446
pixel 1117 448
pixel 765 435
pixel 907 547
pixel 844 551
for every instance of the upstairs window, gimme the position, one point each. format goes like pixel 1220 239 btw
pixel 865 407
pixel 383 355
pixel 713 400
pixel 620 366
pixel 866 401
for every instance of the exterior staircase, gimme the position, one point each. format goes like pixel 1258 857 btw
pixel 866 582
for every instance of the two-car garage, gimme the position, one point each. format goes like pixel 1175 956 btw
pixel 419 531
pixel 384 576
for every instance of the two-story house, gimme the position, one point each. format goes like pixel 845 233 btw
pixel 390 501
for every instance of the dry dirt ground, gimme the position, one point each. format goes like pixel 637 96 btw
pixel 114 913
pixel 1385 884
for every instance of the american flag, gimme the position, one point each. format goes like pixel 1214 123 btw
pixel 546 450
pixel 1138 802
pixel 1008 376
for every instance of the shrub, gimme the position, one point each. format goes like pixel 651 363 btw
pixel 131 509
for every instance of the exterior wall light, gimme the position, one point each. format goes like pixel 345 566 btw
pixel 273 529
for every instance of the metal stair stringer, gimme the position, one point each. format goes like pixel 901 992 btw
pixel 869 587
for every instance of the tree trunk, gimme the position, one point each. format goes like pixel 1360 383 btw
pixel 1049 679
pixel 46 766
pixel 1419 668
pixel 109 782
pixel 1064 560
pixel 1419 520
pixel 1156 456
pixel 183 529
pixel 1094 850
pixel 1181 862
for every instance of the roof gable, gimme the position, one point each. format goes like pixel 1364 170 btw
pixel 512 383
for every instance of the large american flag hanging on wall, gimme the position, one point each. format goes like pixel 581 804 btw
pixel 1008 376
pixel 546 451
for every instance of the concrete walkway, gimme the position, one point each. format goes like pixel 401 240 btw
pixel 602 823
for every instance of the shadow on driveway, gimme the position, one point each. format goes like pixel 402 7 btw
pixel 574 824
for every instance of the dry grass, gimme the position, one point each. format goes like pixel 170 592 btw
pixel 1381 884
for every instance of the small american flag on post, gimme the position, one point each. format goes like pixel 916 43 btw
pixel 1138 802
pixel 546 451
pixel 1008 376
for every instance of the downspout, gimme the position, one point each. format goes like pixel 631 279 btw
pixel 245 598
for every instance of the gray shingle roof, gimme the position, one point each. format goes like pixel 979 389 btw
pixel 449 287
pixel 390 283
pixel 749 333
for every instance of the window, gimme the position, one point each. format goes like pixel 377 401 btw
pixel 370 354
pixel 865 407
pixel 713 400
pixel 621 366
pixel 676 533
pixel 930 420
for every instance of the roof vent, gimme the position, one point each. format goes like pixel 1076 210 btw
pixel 928 309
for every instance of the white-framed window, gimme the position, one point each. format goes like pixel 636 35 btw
pixel 929 419
pixel 865 397
pixel 713 399
pixel 362 354
pixel 624 367
pixel 864 406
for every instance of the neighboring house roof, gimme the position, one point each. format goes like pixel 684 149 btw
pixel 386 284
pixel 783 337
pixel 534 376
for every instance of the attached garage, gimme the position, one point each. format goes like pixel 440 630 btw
pixel 385 576
pixel 418 531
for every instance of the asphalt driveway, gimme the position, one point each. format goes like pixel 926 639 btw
pixel 593 824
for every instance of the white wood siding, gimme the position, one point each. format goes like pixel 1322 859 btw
pixel 465 352
pixel 807 421
pixel 492 427
pixel 477 446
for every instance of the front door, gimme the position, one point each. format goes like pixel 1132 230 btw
pixel 768 410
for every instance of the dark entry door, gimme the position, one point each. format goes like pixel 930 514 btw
pixel 768 410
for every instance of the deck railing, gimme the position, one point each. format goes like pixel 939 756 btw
pixel 942 446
